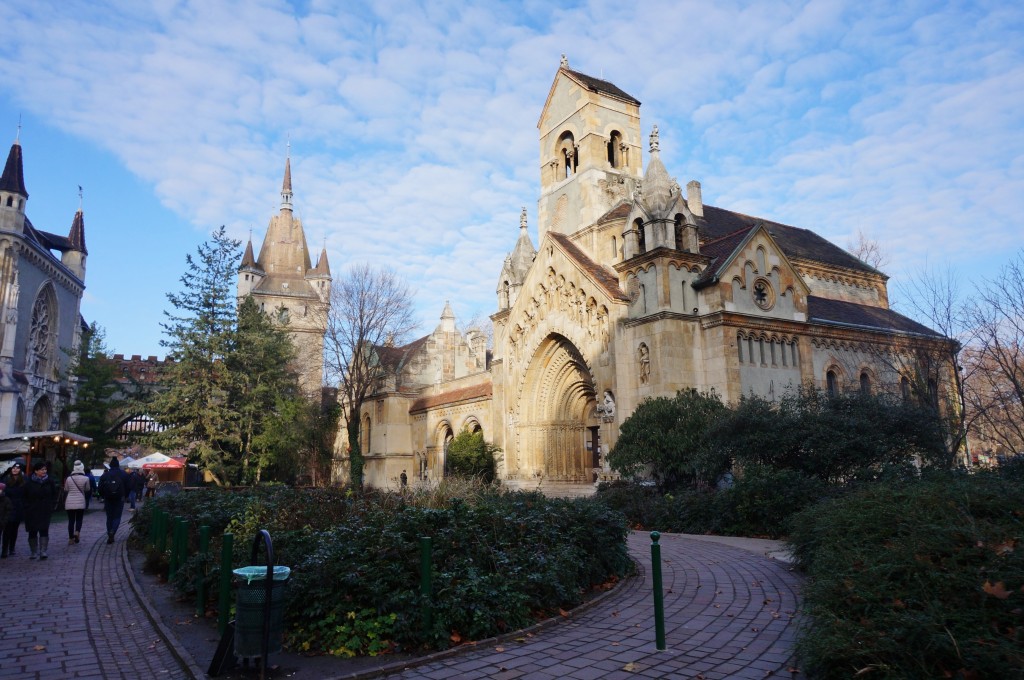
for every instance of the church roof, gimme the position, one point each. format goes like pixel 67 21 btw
pixel 795 242
pixel 480 391
pixel 837 312
pixel 602 86
pixel 393 358
pixel 605 278
pixel 322 265
pixel 13 179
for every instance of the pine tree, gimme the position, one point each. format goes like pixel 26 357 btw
pixel 196 406
pixel 265 381
pixel 97 402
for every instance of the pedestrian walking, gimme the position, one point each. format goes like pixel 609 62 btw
pixel 77 489
pixel 135 486
pixel 40 499
pixel 152 482
pixel 15 482
pixel 113 491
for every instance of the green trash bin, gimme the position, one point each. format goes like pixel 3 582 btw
pixel 251 597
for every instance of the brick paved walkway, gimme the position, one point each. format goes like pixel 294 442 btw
pixel 729 614
pixel 75 615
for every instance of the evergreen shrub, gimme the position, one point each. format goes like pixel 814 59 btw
pixel 501 560
pixel 919 579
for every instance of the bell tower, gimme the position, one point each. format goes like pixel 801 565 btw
pixel 589 150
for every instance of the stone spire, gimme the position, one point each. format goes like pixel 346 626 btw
pixel 76 237
pixel 524 253
pixel 658 187
pixel 13 179
pixel 286 186
pixel 447 319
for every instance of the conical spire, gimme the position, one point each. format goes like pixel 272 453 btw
pixel 524 253
pixel 77 234
pixel 658 186
pixel 286 185
pixel 447 318
pixel 13 179
pixel 248 260
pixel 322 265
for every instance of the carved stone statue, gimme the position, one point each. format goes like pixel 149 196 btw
pixel 644 356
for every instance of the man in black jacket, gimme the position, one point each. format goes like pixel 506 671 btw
pixel 113 490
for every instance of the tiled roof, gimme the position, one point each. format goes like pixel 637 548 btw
pixel 393 357
pixel 619 212
pixel 795 242
pixel 826 311
pixel 481 391
pixel 598 85
pixel 719 251
pixel 602 276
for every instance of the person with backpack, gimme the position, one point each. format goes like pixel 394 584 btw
pixel 77 489
pixel 113 491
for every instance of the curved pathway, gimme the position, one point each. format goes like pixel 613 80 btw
pixel 729 613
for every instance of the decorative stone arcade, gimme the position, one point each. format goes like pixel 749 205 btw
pixel 556 407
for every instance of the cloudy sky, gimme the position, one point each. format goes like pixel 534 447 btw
pixel 413 127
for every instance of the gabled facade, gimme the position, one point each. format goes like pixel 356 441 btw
pixel 42 278
pixel 286 285
pixel 636 289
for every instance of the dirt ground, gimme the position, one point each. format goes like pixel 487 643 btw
pixel 199 636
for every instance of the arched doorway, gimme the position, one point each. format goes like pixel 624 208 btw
pixel 556 407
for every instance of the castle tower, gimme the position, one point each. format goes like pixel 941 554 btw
pixel 284 283
pixel 13 195
pixel 589 150
pixel 74 258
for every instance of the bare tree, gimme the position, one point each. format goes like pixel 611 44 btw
pixel 370 308
pixel 935 369
pixel 868 250
pixel 997 359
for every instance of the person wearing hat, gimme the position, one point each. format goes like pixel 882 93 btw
pixel 15 482
pixel 40 499
pixel 77 488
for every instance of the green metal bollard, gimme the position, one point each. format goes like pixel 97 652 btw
pixel 161 532
pixel 204 550
pixel 172 565
pixel 426 585
pixel 659 604
pixel 224 596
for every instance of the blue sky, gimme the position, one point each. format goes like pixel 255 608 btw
pixel 413 127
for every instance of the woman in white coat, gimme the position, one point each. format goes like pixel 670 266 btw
pixel 77 488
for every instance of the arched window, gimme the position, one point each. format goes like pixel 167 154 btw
pixel 933 392
pixel 566 155
pixel 615 149
pixel 19 416
pixel 641 241
pixel 739 347
pixel 615 247
pixel 865 383
pixel 42 334
pixel 41 414
pixel 832 384
pixel 364 435
pixel 905 388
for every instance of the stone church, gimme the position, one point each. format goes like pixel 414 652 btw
pixel 635 289
pixel 42 278
pixel 286 285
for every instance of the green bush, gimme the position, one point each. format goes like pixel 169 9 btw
pixel 470 456
pixel 501 560
pixel 915 579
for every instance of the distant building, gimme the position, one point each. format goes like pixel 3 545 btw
pixel 637 289
pixel 288 287
pixel 42 278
